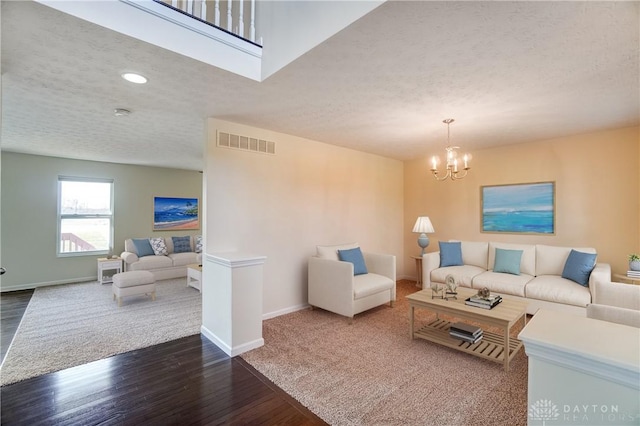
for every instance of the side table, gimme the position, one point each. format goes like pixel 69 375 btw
pixel 107 268
pixel 194 276
pixel 418 260
pixel 624 277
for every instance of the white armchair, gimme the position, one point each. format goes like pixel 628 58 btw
pixel 333 286
pixel 615 302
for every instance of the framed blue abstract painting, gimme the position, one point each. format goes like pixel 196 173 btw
pixel 524 208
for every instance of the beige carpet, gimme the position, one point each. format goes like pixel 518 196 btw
pixel 69 325
pixel 372 373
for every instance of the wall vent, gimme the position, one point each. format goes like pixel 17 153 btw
pixel 245 143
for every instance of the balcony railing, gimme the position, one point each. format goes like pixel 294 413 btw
pixel 70 243
pixel 236 17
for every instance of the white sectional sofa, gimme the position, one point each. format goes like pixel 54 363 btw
pixel 163 266
pixel 539 279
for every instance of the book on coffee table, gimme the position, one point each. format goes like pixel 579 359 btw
pixel 466 329
pixel 484 305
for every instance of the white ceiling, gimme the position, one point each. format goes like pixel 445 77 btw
pixel 508 72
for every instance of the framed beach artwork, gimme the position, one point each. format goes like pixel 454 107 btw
pixel 525 208
pixel 171 214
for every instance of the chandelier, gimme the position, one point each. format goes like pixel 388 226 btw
pixel 456 168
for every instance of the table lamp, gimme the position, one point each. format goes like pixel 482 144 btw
pixel 423 226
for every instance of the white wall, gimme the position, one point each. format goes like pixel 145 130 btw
pixel 283 205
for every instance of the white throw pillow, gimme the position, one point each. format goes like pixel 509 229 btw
pixel 159 246
pixel 331 252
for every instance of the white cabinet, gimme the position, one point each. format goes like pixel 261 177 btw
pixel 107 268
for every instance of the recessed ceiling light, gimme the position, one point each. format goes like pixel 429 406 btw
pixel 119 112
pixel 134 78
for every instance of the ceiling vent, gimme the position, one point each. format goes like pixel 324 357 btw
pixel 245 143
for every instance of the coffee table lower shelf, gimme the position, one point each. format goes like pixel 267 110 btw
pixel 491 346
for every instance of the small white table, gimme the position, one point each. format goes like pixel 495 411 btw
pixel 107 268
pixel 194 276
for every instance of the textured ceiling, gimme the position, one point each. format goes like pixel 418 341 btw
pixel 508 72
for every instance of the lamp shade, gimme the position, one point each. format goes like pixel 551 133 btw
pixel 423 225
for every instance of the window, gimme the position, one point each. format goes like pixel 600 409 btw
pixel 85 216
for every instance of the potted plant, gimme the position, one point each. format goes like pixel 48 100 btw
pixel 634 262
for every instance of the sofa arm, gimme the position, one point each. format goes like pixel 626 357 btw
pixel 617 294
pixel 430 261
pixel 129 258
pixel 615 314
pixel 331 285
pixel 382 264
pixel 601 274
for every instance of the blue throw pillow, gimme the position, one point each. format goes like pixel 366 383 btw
pixel 507 261
pixel 143 247
pixel 354 256
pixel 181 244
pixel 578 267
pixel 450 254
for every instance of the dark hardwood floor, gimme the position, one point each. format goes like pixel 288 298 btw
pixel 188 381
pixel 12 306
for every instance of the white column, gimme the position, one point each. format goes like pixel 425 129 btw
pixel 217 13
pixel 189 7
pixel 241 19
pixel 203 10
pixel 252 27
pixel 229 18
pixel 232 301
pixel 174 3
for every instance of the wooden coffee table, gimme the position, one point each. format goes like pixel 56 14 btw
pixel 492 346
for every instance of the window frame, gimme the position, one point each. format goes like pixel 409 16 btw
pixel 61 217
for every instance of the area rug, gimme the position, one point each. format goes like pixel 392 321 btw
pixel 73 324
pixel 372 373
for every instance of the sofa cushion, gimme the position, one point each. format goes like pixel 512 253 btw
pixel 159 247
pixel 354 256
pixel 197 241
pixel 143 247
pixel 554 288
pixel 450 254
pixel 463 274
pixel 184 259
pixel 579 266
pixel 528 261
pixel 507 261
pixel 181 244
pixel 502 283
pixel 475 253
pixel 151 262
pixel 367 284
pixel 550 260
pixel 331 252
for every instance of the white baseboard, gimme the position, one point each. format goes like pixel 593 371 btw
pixel 29 286
pixel 236 350
pixel 285 311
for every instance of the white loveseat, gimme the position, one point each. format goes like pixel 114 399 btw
pixel 539 283
pixel 163 267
